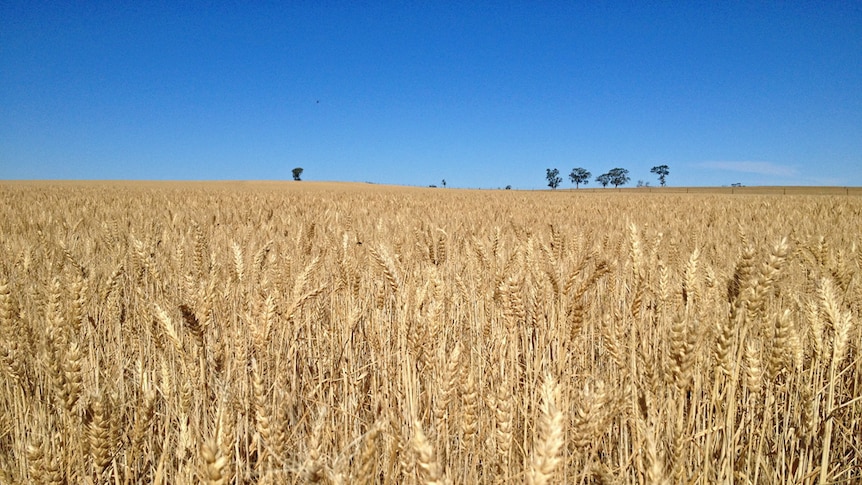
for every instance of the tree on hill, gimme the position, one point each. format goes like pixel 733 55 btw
pixel 296 173
pixel 662 171
pixel 580 176
pixel 619 176
pixel 553 176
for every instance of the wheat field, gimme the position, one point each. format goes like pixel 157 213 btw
pixel 351 333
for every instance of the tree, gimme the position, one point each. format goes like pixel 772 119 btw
pixel 444 183
pixel 604 179
pixel 618 176
pixel 553 176
pixel 580 176
pixel 296 173
pixel 662 171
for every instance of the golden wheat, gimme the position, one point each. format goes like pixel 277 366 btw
pixel 350 333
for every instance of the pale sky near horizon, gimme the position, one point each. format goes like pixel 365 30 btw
pixel 481 94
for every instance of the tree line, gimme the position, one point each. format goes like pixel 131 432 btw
pixel 615 176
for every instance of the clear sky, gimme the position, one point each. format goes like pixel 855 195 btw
pixel 482 94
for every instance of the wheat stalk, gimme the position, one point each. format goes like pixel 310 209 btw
pixel 428 470
pixel 545 457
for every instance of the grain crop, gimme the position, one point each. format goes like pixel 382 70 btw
pixel 238 333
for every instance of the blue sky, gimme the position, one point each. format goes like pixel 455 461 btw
pixel 482 94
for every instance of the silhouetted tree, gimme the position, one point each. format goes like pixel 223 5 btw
pixel 553 176
pixel 618 176
pixel 662 171
pixel 296 173
pixel 604 179
pixel 580 176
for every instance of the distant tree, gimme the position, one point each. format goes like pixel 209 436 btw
pixel 580 176
pixel 553 176
pixel 618 176
pixel 604 179
pixel 296 173
pixel 444 183
pixel 662 171
pixel 508 187
pixel 640 183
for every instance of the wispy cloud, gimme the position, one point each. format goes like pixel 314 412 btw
pixel 760 168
